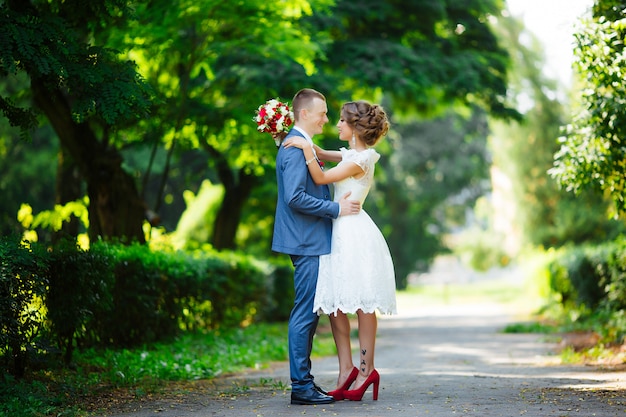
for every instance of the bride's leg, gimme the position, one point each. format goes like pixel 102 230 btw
pixel 340 325
pixel 368 324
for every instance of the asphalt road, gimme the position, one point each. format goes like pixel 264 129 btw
pixel 434 361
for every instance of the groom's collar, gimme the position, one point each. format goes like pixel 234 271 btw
pixel 303 133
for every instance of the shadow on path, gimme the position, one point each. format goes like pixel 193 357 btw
pixel 435 361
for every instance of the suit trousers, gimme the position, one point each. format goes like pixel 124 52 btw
pixel 302 322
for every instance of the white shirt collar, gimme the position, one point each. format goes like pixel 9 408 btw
pixel 308 140
pixel 306 136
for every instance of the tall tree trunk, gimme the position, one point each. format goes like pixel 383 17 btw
pixel 228 217
pixel 115 208
pixel 68 188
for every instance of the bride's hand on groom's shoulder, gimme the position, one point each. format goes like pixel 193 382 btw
pixel 296 142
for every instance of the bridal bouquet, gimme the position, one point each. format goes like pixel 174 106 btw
pixel 274 117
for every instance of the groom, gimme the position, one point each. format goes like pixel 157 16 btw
pixel 302 229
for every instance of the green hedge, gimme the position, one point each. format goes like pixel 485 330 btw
pixel 578 275
pixel 591 279
pixel 23 284
pixel 123 296
pixel 78 291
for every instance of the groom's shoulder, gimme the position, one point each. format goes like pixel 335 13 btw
pixel 294 132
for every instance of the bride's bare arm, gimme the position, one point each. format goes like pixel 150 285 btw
pixel 326 155
pixel 335 174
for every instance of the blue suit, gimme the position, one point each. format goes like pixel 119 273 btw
pixel 302 229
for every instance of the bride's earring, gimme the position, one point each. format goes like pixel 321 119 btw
pixel 353 141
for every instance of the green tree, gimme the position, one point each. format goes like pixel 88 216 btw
pixel 84 91
pixel 424 55
pixel 438 169
pixel 211 74
pixel 210 64
pixel 592 153
pixel 26 175
pixel 421 58
pixel 545 215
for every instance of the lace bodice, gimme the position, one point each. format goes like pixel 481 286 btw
pixel 360 187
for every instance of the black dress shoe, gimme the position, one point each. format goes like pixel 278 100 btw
pixel 310 396
pixel 320 389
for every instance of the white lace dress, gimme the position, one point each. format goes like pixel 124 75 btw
pixel 358 273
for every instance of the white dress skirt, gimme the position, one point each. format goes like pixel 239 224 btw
pixel 358 274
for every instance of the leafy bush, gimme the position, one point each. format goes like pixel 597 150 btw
pixel 123 296
pixel 236 289
pixel 481 249
pixel 141 305
pixel 576 275
pixel 23 283
pixel 281 293
pixel 591 284
pixel 155 295
pixel 560 284
pixel 616 276
pixel 78 291
pixel 23 398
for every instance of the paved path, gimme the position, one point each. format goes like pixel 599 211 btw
pixel 438 362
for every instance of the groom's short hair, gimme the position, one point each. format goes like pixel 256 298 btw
pixel 303 100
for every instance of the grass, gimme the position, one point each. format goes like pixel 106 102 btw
pixel 141 371
pixel 519 297
pixel 531 327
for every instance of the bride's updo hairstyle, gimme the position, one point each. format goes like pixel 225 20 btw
pixel 369 121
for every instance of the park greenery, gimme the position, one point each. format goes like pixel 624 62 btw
pixel 138 196
pixel 592 154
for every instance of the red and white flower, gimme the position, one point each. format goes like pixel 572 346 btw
pixel 274 117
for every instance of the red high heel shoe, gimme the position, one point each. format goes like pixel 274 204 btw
pixel 357 394
pixel 338 393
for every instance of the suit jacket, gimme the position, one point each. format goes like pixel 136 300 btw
pixel 304 210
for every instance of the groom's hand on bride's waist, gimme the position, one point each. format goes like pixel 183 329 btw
pixel 348 207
